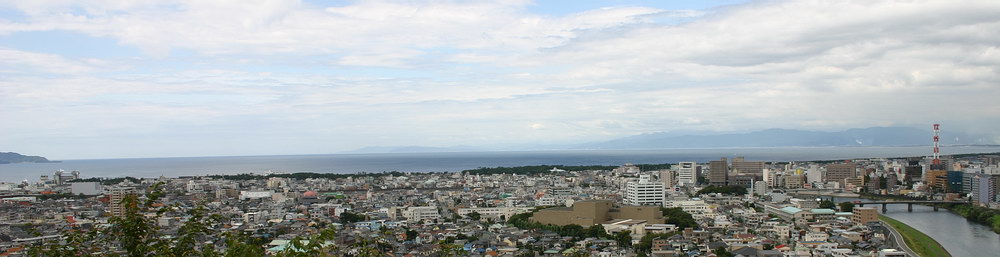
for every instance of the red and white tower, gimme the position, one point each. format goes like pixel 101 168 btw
pixel 937 152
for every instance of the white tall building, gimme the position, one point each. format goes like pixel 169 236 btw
pixel 687 173
pixel 644 192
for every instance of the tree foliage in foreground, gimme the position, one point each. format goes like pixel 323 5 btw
pixel 136 234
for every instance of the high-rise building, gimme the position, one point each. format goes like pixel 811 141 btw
pixel 987 189
pixel 913 171
pixel 687 173
pixel 892 179
pixel 839 171
pixel 936 178
pixel 116 195
pixel 718 172
pixel 955 181
pixel 668 178
pixel 742 166
pixel 645 191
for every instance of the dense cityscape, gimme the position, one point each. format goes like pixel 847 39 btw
pixel 727 207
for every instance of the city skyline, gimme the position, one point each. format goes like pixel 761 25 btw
pixel 110 79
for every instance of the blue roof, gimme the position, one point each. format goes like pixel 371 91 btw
pixel 823 211
pixel 791 210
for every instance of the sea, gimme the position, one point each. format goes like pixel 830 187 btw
pixel 445 161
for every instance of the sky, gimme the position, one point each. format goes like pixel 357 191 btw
pixel 136 78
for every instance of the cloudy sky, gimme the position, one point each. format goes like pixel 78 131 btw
pixel 134 78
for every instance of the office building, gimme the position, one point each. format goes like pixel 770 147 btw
pixel 955 181
pixel 687 173
pixel 86 188
pixel 913 173
pixel 668 178
pixel 496 213
pixel 742 166
pixel 415 213
pixel 743 180
pixel 592 212
pixel 936 178
pixel 645 191
pixel 718 172
pixel 794 181
pixel 986 189
pixel 864 215
pixel 839 171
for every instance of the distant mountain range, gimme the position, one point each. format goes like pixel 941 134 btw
pixel 414 149
pixel 12 157
pixel 875 136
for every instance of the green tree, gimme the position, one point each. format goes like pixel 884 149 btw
pixel 137 234
pixel 411 234
pixel 722 252
pixel 350 217
pixel 646 243
pixel 624 239
pixel 597 231
pixel 679 217
pixel 846 206
pixel 827 204
pixel 726 190
pixel 320 244
pixel 474 215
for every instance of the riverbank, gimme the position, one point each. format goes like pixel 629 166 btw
pixel 918 242
pixel 985 216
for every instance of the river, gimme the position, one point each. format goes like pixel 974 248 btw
pixel 959 236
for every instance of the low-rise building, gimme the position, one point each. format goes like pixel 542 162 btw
pixel 592 212
pixel 863 215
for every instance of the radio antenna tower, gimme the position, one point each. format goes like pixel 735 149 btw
pixel 937 152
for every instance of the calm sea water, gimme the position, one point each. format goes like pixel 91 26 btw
pixel 423 162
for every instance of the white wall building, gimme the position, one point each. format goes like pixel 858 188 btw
pixel 644 192
pixel 760 188
pixel 687 173
pixel 244 195
pixel 86 188
pixel 414 214
pixel 255 217
pixel 495 213
pixel 697 208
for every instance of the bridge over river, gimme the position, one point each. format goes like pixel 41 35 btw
pixel 909 204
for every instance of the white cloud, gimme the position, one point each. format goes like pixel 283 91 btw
pixel 476 73
pixel 19 62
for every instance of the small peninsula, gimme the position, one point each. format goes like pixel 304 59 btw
pixel 12 157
